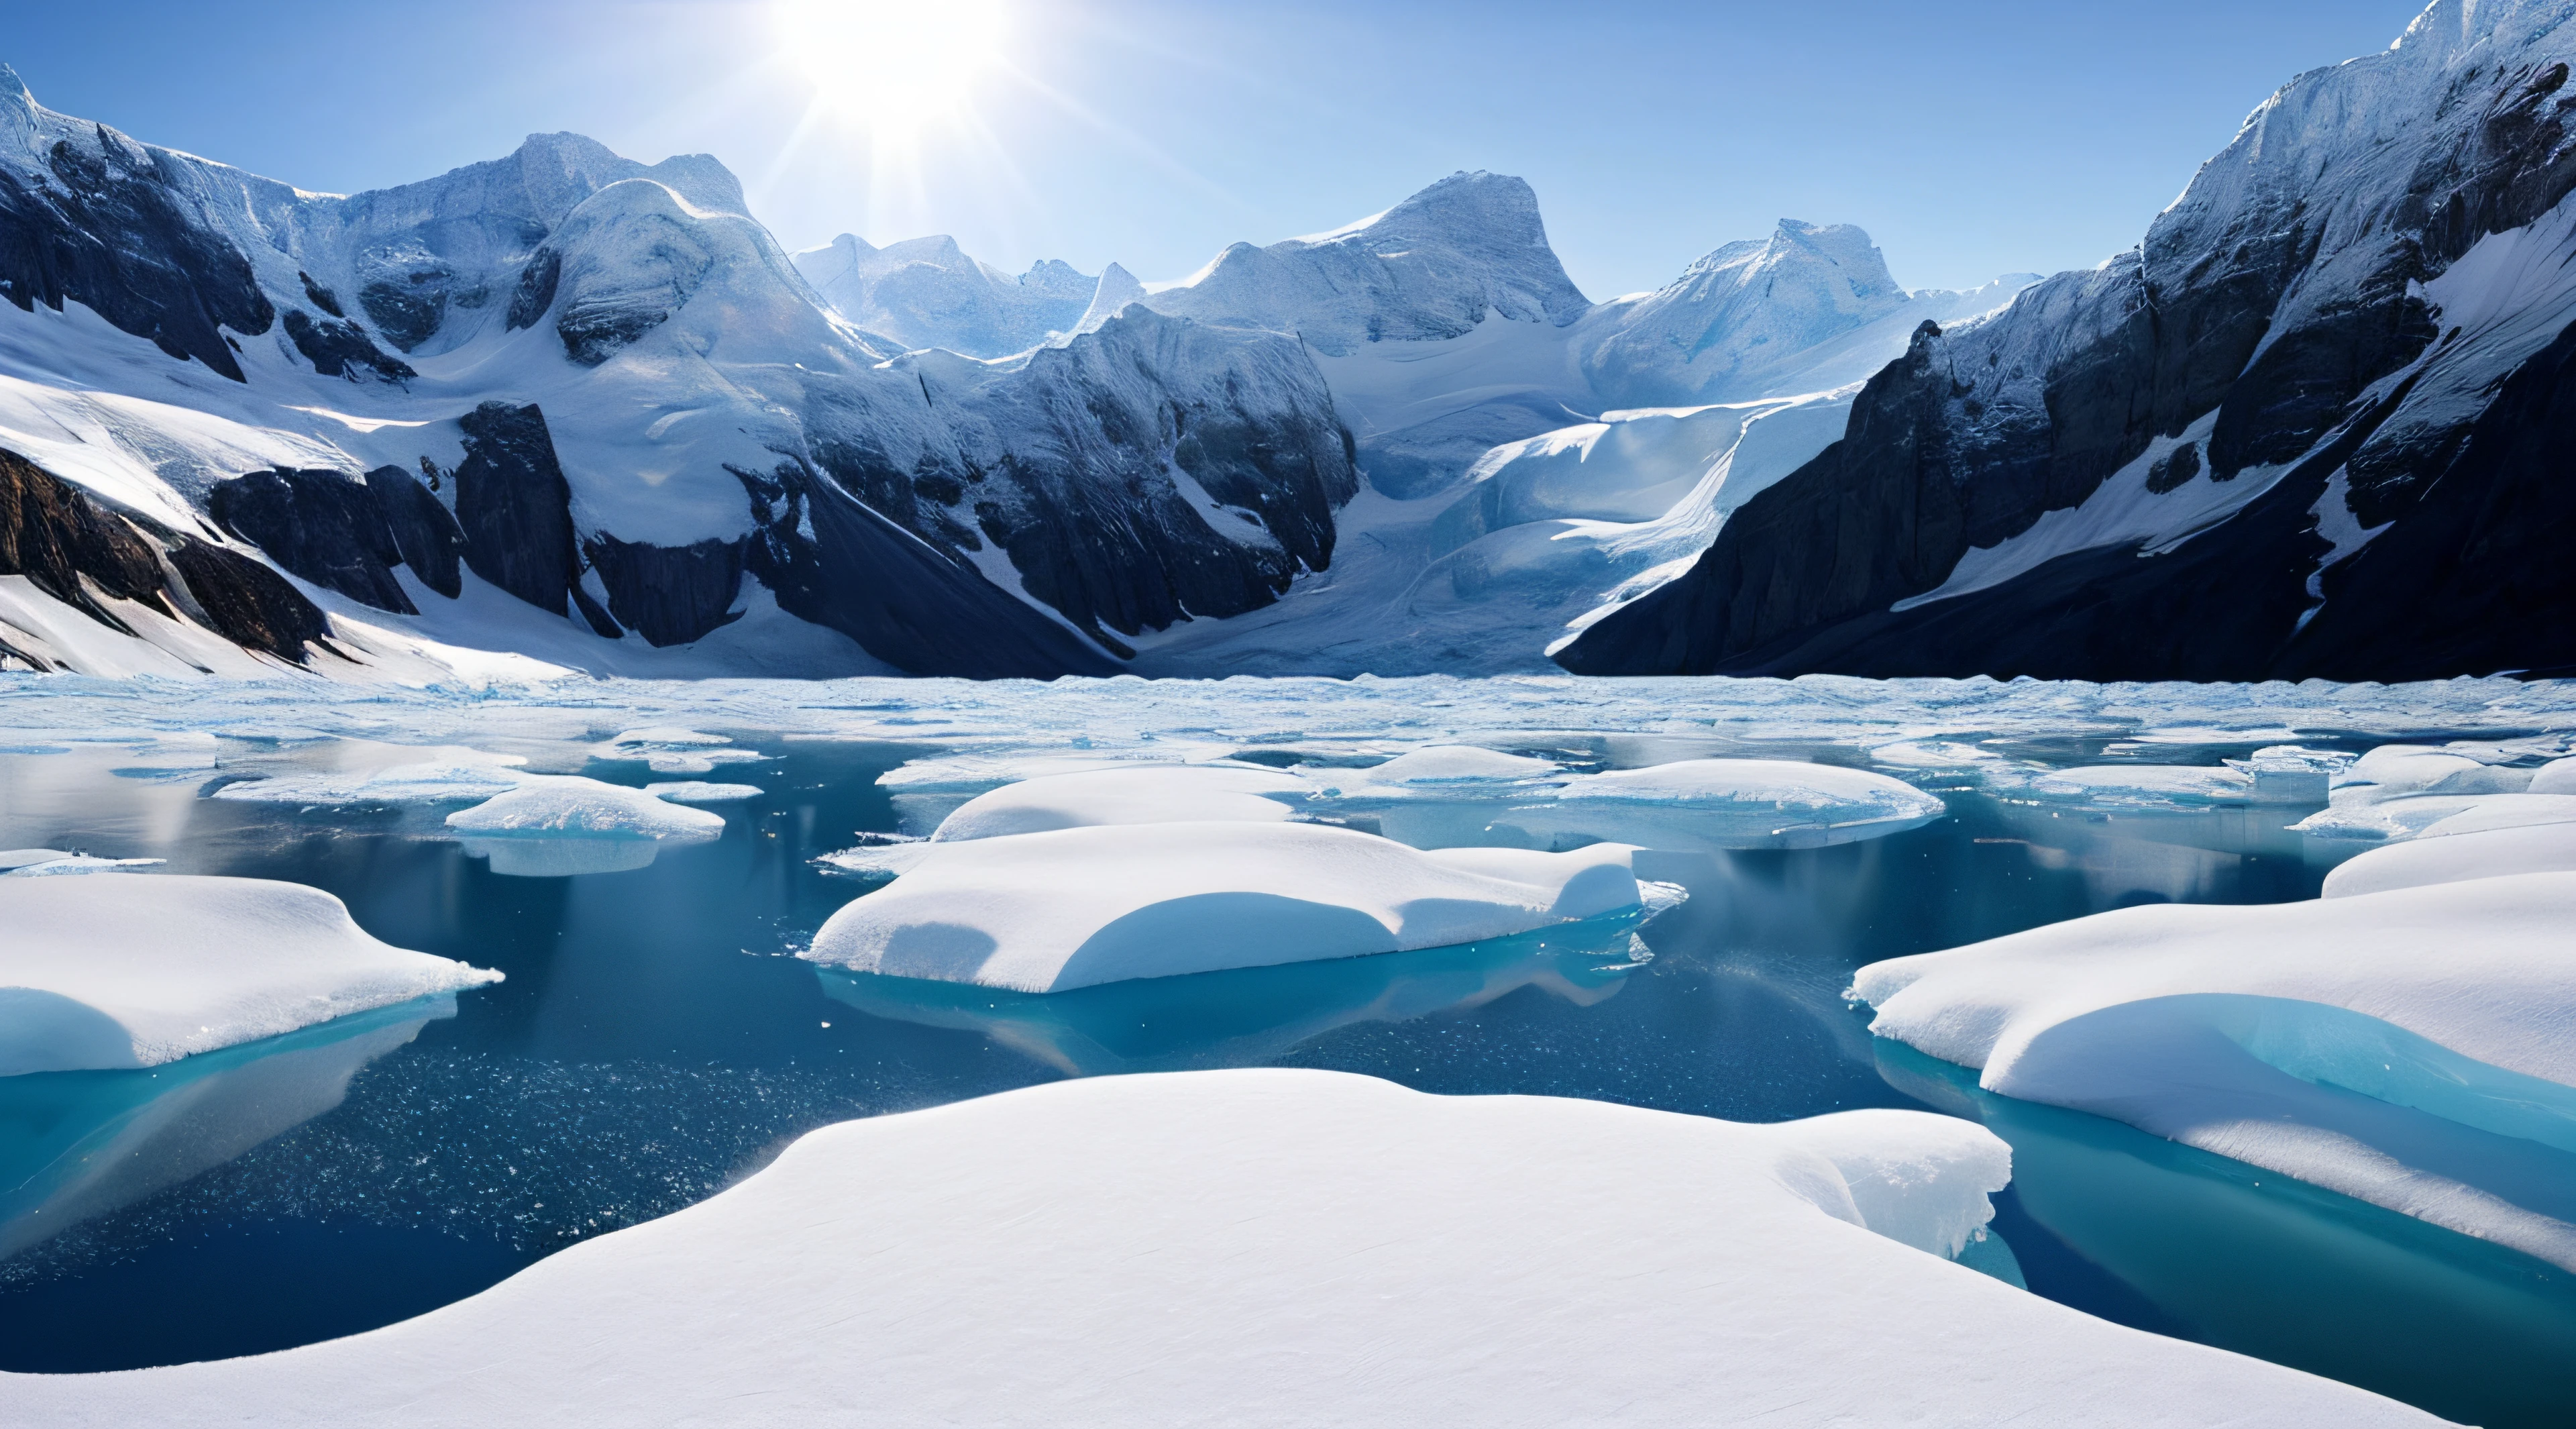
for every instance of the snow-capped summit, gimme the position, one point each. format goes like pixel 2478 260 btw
pixel 926 292
pixel 1430 268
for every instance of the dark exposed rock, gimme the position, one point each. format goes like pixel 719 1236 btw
pixel 69 545
pixel 2174 468
pixel 247 603
pixel 323 526
pixel 319 296
pixel 831 560
pixel 113 234
pixel 592 333
pixel 406 312
pixel 430 540
pixel 338 348
pixel 536 290
pixel 514 506
pixel 597 619
pixel 670 595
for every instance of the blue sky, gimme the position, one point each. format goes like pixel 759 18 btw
pixel 1970 139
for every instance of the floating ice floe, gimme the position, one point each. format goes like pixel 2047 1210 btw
pixel 2558 776
pixel 2415 1048
pixel 1135 794
pixel 2422 815
pixel 141 970
pixel 462 775
pixel 553 826
pixel 1043 912
pixel 1727 804
pixel 2147 786
pixel 2399 771
pixel 1271 1247
pixel 698 791
pixel 674 750
pixel 1440 769
pixel 1937 758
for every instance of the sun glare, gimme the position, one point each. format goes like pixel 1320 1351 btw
pixel 893 62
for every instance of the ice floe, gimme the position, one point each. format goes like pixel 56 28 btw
pixel 2415 1048
pixel 452 778
pixel 699 791
pixel 75 863
pixel 2455 858
pixel 1042 912
pixel 1136 794
pixel 140 970
pixel 2150 786
pixel 1728 804
pixel 1271 1247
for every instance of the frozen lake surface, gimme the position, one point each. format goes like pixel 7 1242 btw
pixel 656 1038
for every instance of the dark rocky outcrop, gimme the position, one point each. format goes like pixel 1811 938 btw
pixel 111 232
pixel 338 348
pixel 324 526
pixel 670 595
pixel 831 560
pixel 535 291
pixel 79 551
pixel 514 506
pixel 428 537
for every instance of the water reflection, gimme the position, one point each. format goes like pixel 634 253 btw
pixel 74 1145
pixel 2159 1235
pixel 1246 1016
pixel 536 856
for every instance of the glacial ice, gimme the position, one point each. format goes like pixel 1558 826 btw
pixel 1140 794
pixel 141 970
pixel 559 806
pixel 2415 1047
pixel 1728 804
pixel 699 791
pixel 1271 1247
pixel 2154 786
pixel 1042 912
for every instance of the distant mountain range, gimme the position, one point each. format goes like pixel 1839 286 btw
pixel 563 409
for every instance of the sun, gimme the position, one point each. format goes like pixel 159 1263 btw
pixel 893 62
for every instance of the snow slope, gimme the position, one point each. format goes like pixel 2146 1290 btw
pixel 1271 1248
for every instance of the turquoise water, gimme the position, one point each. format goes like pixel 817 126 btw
pixel 656 1039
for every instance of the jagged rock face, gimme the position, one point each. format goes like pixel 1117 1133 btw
pixel 514 506
pixel 670 595
pixel 2288 365
pixel 423 531
pixel 1430 268
pixel 321 525
pixel 78 551
pixel 100 225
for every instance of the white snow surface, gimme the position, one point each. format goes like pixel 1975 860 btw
pixel 1730 803
pixel 1150 794
pixel 699 791
pixel 1270 1248
pixel 558 806
pixel 2456 858
pixel 1043 912
pixel 135 970
pixel 2415 1048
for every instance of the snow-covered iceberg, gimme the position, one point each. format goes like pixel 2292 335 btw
pixel 1137 794
pixel 554 826
pixel 1043 912
pixel 2456 858
pixel 2415 1048
pixel 137 970
pixel 1729 804
pixel 1271 1247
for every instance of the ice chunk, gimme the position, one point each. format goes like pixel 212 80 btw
pixel 79 863
pixel 698 791
pixel 1270 1246
pixel 978 773
pixel 2421 815
pixel 435 781
pixel 2558 776
pixel 141 970
pixel 1937 757
pixel 1729 803
pixel 1046 911
pixel 1455 764
pixel 2415 1048
pixel 22 857
pixel 556 805
pixel 2290 774
pixel 2456 858
pixel 673 750
pixel 1137 794
pixel 2150 786
pixel 2397 771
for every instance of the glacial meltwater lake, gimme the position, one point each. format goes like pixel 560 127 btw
pixel 657 1039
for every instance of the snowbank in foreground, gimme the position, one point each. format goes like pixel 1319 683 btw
pixel 134 970
pixel 2455 858
pixel 1044 912
pixel 2414 1048
pixel 1142 794
pixel 1270 1247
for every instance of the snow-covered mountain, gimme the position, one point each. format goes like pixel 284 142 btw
pixel 586 410
pixel 2314 426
